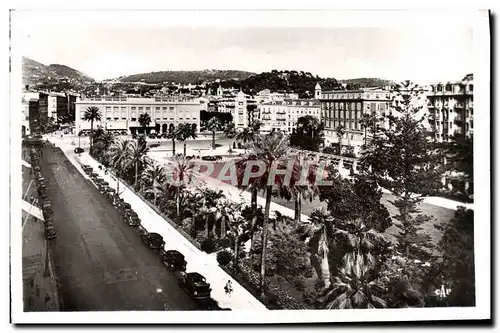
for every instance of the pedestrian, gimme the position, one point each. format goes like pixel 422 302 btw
pixel 228 288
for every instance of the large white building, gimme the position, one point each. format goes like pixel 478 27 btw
pixel 122 113
pixel 451 108
pixel 283 115
pixel 241 106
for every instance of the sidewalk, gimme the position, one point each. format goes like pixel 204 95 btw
pixel 197 260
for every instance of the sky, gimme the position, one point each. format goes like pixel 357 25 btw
pixel 422 48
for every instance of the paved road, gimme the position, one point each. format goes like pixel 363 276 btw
pixel 100 262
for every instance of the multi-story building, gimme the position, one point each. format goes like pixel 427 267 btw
pixel 266 95
pixel 122 113
pixel 346 108
pixel 283 115
pixel 451 108
pixel 242 107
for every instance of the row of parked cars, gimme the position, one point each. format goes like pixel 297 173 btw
pixel 47 211
pixel 193 283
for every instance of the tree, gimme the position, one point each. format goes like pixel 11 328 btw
pixel 357 198
pixel 403 159
pixel 368 121
pixel 92 114
pixel 317 233
pixel 270 149
pixel 179 174
pixel 355 288
pixel 230 131
pixel 154 177
pixel 284 244
pixel 137 152
pixel 226 212
pixel 245 136
pixel 309 133
pixel 119 154
pixel 174 135
pixel 144 121
pixel 457 267
pixel 299 188
pixel 340 131
pixel 185 132
pixel 214 125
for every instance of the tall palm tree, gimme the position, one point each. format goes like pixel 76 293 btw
pixel 185 132
pixel 355 288
pixel 154 176
pixel 230 132
pixel 340 131
pixel 119 155
pixel 92 114
pixel 214 125
pixel 144 121
pixel 270 149
pixel 174 135
pixel 179 174
pixel 137 153
pixel 225 213
pixel 318 233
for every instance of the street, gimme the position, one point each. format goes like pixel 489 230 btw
pixel 100 262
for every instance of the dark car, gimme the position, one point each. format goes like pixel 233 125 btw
pixel 47 207
pixel 42 191
pixel 132 219
pixel 153 240
pixel 50 231
pixel 94 175
pixel 154 145
pixel 78 150
pixel 174 260
pixel 195 284
pixel 125 207
pixel 208 158
pixel 87 169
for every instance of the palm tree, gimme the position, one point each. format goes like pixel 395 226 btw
pixel 179 173
pixel 144 121
pixel 230 132
pixel 245 136
pixel 185 132
pixel 318 233
pixel 225 213
pixel 355 288
pixel 92 114
pixel 173 135
pixel 154 176
pixel 119 155
pixel 137 152
pixel 214 125
pixel 270 149
pixel 340 131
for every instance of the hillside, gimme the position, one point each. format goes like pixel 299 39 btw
pixel 300 82
pixel 368 82
pixel 53 77
pixel 186 77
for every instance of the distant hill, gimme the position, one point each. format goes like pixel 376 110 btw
pixel 367 82
pixel 186 77
pixel 299 82
pixel 53 77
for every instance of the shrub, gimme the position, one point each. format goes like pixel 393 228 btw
pixel 208 245
pixel 224 257
pixel 299 283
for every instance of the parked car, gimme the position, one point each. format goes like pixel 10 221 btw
pixel 132 219
pixel 174 260
pixel 87 169
pixel 153 240
pixel 42 191
pixel 47 207
pixel 103 186
pixel 154 145
pixel 195 284
pixel 94 175
pixel 79 150
pixel 50 231
pixel 110 194
pixel 125 207
pixel 208 158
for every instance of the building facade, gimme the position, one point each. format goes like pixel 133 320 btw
pixel 346 108
pixel 283 115
pixel 122 113
pixel 451 108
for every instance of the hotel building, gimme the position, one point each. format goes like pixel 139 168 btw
pixel 283 115
pixel 122 113
pixel 451 108
pixel 346 107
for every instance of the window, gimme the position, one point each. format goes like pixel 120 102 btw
pixel 116 118
pixel 133 119
pixel 471 87
pixel 115 108
pixel 157 108
pixel 108 108
pixel 124 108
pixel 148 108
pixel 164 108
pixel 108 118
pixel 448 87
pixel 171 108
pixel 132 108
